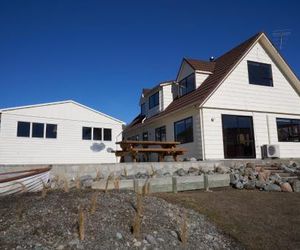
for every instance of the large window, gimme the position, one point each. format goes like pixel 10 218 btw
pixel 143 108
pixel 86 133
pixel 23 129
pixel 51 130
pixel 260 73
pixel 183 130
pixel 38 130
pixel 107 134
pixel 160 134
pixel 187 85
pixel 97 134
pixel 288 130
pixel 154 100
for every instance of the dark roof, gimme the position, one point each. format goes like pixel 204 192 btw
pixel 201 65
pixel 222 66
pixel 146 91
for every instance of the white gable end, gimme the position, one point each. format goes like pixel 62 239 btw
pixel 236 92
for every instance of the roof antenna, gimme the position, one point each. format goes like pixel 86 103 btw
pixel 280 37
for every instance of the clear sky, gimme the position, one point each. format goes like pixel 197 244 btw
pixel 102 53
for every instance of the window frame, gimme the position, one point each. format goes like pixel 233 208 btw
pixel 82 133
pixel 29 130
pixel 175 132
pixel 292 122
pixel 155 103
pixel 158 131
pixel 47 130
pixel 251 80
pixel 32 130
pixel 107 129
pixel 184 82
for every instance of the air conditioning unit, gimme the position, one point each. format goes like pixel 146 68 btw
pixel 270 151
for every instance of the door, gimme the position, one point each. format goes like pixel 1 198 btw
pixel 238 136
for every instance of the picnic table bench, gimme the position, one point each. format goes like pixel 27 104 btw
pixel 162 148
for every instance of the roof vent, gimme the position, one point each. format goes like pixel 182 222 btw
pixel 212 59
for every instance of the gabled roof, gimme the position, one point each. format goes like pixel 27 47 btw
pixel 58 103
pixel 221 67
pixel 201 65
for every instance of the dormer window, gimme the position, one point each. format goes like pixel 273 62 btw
pixel 187 85
pixel 154 100
pixel 143 108
pixel 260 74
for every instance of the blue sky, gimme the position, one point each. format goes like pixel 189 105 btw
pixel 102 53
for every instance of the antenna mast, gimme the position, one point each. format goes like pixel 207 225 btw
pixel 280 37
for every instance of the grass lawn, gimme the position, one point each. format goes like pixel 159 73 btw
pixel 258 220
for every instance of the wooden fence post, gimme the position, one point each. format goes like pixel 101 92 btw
pixel 174 184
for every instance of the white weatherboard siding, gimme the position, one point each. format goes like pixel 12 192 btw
pixel 68 147
pixel 167 96
pixel 213 133
pixel 194 148
pixel 200 78
pixel 236 92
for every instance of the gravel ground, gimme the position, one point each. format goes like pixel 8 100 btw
pixel 30 221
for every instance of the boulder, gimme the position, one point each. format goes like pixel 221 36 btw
pixel 286 187
pixel 296 185
pixel 180 172
pixel 239 185
pixel 193 171
pixel 260 184
pixel 275 178
pixel 250 185
pixel 272 187
pixel 222 169
pixel 193 159
pixel 234 178
pixel 86 181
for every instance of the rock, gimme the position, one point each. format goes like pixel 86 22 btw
pixel 140 175
pixel 119 236
pixel 234 178
pixel 275 178
pixel 272 187
pixel 286 187
pixel 264 175
pixel 60 247
pixel 260 184
pixel 250 185
pixel 209 237
pixel 180 172
pixel 151 239
pixel 287 169
pixel 222 169
pixel 174 234
pixel 137 244
pixel 193 171
pixel 296 186
pixel 250 165
pixel 193 159
pixel 167 174
pixel 239 185
pixel 293 164
pixel 86 181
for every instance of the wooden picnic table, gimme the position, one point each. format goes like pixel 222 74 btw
pixel 162 148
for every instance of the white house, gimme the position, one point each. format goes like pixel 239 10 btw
pixel 57 133
pixel 228 107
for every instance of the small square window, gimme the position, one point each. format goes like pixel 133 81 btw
pixel 107 134
pixel 86 133
pixel 97 134
pixel 260 74
pixel 51 131
pixel 37 130
pixel 23 129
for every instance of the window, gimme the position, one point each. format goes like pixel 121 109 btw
pixel 23 129
pixel 97 134
pixel 160 134
pixel 37 130
pixel 145 136
pixel 187 85
pixel 107 134
pixel 154 100
pixel 86 133
pixel 288 130
pixel 143 108
pixel 260 74
pixel 51 130
pixel 183 130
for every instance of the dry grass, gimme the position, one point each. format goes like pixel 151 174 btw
pixel 23 187
pixel 77 182
pixel 44 190
pixel 66 185
pixel 117 183
pixel 94 203
pixel 258 220
pixel 146 187
pixel 81 221
pixel 183 232
pixel 107 182
pixel 137 220
pixel 98 175
pixel 125 172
